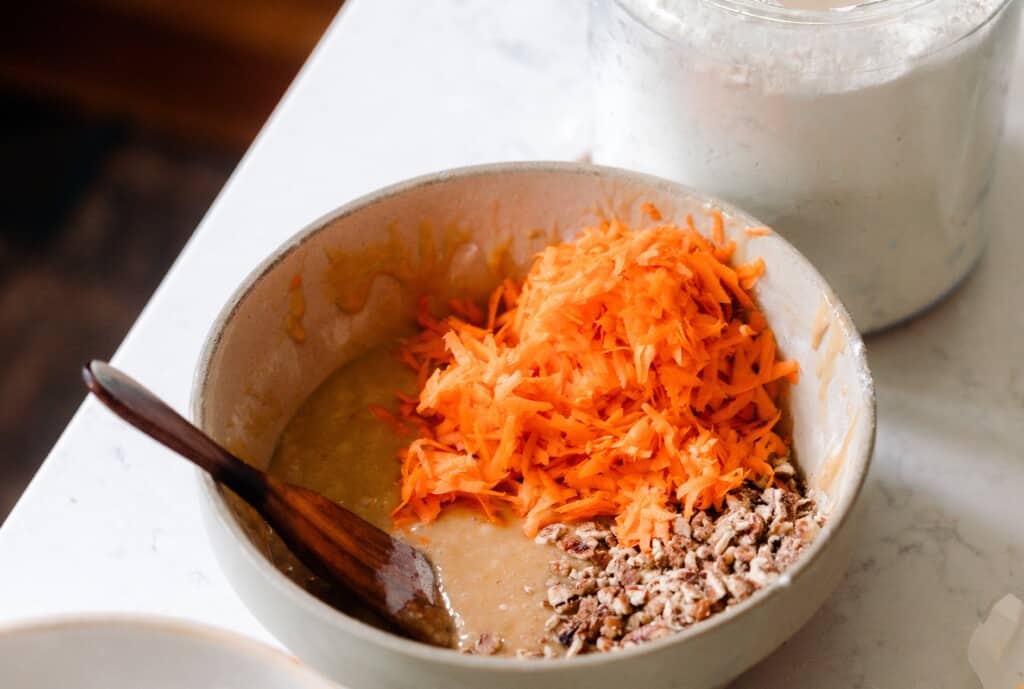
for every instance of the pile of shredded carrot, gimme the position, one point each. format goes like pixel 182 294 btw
pixel 631 375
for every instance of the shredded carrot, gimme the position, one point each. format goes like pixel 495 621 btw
pixel 630 376
pixel 717 229
pixel 758 231
pixel 397 424
pixel 651 211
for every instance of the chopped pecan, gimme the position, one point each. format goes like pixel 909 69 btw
pixel 606 596
pixel 551 533
pixel 487 644
pixel 648 632
pixel 702 526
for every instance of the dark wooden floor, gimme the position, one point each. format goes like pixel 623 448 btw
pixel 119 122
pixel 209 69
pixel 94 213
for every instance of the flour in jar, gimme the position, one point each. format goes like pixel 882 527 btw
pixel 866 135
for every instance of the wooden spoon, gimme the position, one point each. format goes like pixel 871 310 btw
pixel 392 578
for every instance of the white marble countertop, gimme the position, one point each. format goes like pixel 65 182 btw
pixel 399 88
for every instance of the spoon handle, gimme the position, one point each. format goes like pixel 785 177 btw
pixel 393 578
pixel 138 406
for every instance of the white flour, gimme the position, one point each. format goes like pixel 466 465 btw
pixel 867 143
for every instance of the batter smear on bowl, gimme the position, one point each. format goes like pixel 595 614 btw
pixel 619 410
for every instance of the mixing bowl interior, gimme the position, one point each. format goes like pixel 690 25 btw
pixel 351 282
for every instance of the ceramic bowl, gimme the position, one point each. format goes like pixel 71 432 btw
pixel 361 268
pixel 135 652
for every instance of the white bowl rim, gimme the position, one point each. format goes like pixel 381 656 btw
pixel 839 514
pixel 172 626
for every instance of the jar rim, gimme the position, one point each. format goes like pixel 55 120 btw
pixel 865 11
pixel 868 17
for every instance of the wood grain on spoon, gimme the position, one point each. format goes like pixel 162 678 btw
pixel 394 579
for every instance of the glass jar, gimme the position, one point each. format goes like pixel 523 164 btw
pixel 865 135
